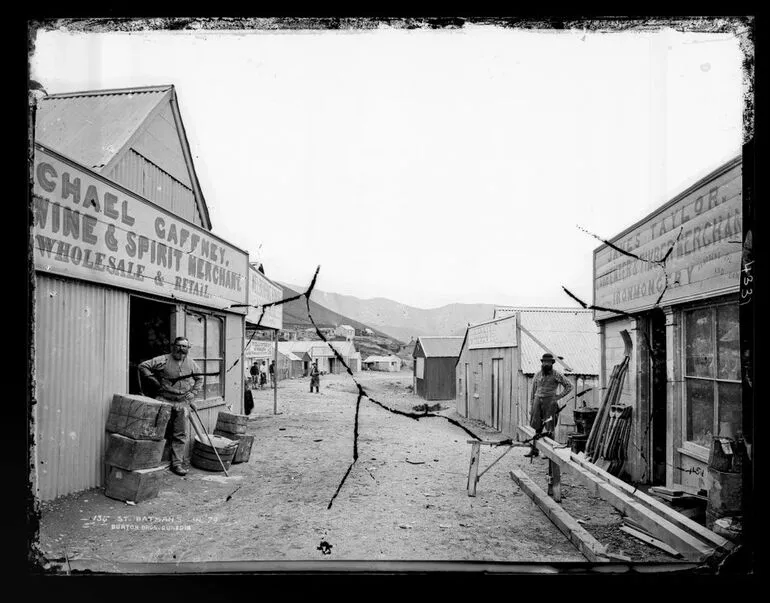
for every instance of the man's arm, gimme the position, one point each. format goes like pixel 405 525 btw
pixel 565 384
pixel 197 380
pixel 534 389
pixel 149 367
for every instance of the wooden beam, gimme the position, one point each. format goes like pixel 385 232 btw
pixel 650 540
pixel 555 481
pixel 673 516
pixel 589 547
pixel 691 547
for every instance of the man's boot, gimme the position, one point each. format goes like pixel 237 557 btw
pixel 533 451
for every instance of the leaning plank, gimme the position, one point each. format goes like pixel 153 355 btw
pixel 650 540
pixel 591 548
pixel 473 469
pixel 673 516
pixel 691 547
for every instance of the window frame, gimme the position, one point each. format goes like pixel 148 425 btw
pixel 191 313
pixel 694 448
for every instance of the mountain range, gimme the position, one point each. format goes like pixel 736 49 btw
pixel 399 320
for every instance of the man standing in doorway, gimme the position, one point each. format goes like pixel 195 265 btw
pixel 178 379
pixel 545 399
pixel 315 377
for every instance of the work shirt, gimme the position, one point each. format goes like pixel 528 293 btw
pixel 546 385
pixel 165 368
pixel 314 372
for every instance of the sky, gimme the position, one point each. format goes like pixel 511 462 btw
pixel 429 166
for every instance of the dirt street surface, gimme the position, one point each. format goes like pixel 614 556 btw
pixel 405 498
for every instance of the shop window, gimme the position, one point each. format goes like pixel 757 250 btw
pixel 205 333
pixel 712 374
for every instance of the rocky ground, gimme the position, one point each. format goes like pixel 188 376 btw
pixel 404 499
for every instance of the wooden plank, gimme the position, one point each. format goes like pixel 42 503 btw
pixel 473 470
pixel 650 540
pixel 589 547
pixel 129 454
pixel 655 524
pixel 673 516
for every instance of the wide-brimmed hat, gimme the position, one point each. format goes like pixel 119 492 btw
pixel 548 357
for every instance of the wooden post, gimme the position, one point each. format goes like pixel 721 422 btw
pixel 275 373
pixel 555 480
pixel 473 470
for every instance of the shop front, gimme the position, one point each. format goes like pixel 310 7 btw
pixel 681 303
pixel 117 279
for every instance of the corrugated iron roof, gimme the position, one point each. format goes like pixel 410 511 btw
pixel 439 346
pixel 569 333
pixel 94 126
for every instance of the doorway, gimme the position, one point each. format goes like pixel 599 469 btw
pixel 658 394
pixel 331 365
pixel 151 330
pixel 496 387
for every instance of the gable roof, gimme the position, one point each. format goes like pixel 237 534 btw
pixel 97 127
pixel 439 346
pixel 569 333
pixel 382 358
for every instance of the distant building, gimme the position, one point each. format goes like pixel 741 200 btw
pixel 345 331
pixel 434 366
pixel 320 351
pixel 383 363
pixel 368 332
pixel 500 357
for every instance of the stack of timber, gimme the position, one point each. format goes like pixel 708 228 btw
pixel 607 442
pixel 136 427
pixel 233 427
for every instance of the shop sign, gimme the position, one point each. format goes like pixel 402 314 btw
pixel 260 349
pixel 705 260
pixel 497 334
pixel 87 227
pixel 262 291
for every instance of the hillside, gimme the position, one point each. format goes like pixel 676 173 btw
pixel 404 322
pixel 295 315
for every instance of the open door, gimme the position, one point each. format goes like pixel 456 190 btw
pixel 658 394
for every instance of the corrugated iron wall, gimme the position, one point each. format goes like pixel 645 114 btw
pixel 146 179
pixel 81 360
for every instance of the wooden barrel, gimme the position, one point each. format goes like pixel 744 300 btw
pixel 245 443
pixel 231 423
pixel 584 418
pixel 204 456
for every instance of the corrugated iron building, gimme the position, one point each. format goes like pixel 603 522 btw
pixel 124 262
pixel 500 357
pixel 383 363
pixel 684 378
pixel 434 366
pixel 327 360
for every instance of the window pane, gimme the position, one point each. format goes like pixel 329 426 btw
pixel 213 383
pixel 700 411
pixel 194 332
pixel 730 410
pixel 728 343
pixel 700 343
pixel 213 337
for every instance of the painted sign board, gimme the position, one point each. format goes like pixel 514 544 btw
pixel 262 291
pixel 704 230
pixel 260 349
pixel 88 227
pixel 496 334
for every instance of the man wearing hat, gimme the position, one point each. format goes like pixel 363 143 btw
pixel 545 399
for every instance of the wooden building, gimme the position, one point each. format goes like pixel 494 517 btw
pixel 684 380
pixel 383 363
pixel 125 261
pixel 500 357
pixel 434 366
pixel 319 350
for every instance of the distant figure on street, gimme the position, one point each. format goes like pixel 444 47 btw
pixel 272 372
pixel 248 401
pixel 254 370
pixel 545 399
pixel 164 372
pixel 315 377
pixel 262 375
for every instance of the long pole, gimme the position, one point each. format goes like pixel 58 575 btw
pixel 275 373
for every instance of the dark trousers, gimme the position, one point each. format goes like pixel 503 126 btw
pixel 314 382
pixel 176 432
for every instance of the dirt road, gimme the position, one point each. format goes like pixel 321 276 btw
pixel 404 499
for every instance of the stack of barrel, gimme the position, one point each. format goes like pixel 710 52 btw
pixel 584 420
pixel 136 429
pixel 725 482
pixel 233 427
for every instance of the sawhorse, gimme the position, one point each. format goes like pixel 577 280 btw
pixel 473 471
